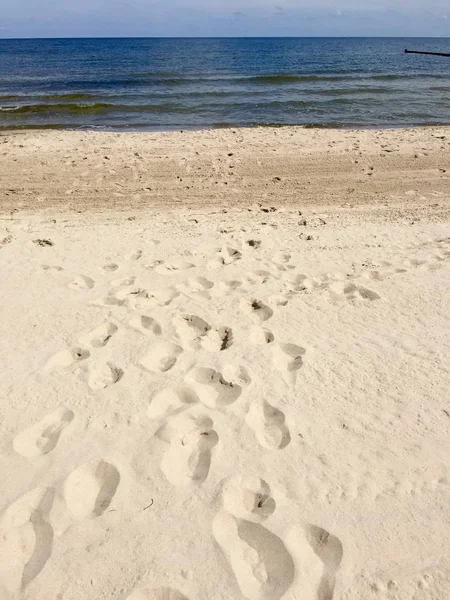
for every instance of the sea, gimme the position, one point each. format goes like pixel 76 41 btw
pixel 165 83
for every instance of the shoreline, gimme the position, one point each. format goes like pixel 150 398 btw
pixel 214 127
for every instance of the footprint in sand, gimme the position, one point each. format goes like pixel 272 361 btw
pixel 283 267
pixel 413 262
pixel 102 375
pixel 372 275
pixel 123 282
pixel 367 294
pixel 42 437
pixel 108 301
pixel 261 336
pixel 162 357
pixel 268 425
pixel 339 289
pixel 43 243
pixel 350 291
pixel 67 358
pixel 153 264
pixel 288 358
pixel 196 287
pixel 263 567
pixel 150 593
pixel 225 287
pixel 314 283
pixel 281 258
pixel 191 441
pixel 100 336
pixel 81 282
pixel 190 329
pixel 26 539
pixel 135 255
pixel 211 388
pixel 229 255
pixel 256 309
pixel 257 277
pixel 279 299
pixel 318 555
pixel 226 256
pixel 146 325
pixel 217 340
pixel 110 267
pixel 237 375
pixel 147 300
pixel 89 490
pixel 173 267
pixel 295 282
pixel 170 401
pixel 127 292
pixel 194 331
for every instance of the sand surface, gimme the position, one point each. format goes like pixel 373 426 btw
pixel 78 171
pixel 219 394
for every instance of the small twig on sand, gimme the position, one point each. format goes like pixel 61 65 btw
pixel 149 505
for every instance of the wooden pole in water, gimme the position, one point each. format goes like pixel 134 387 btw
pixel 429 53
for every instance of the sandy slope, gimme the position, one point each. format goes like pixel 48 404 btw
pixel 95 170
pixel 203 405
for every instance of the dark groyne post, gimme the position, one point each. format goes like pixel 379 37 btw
pixel 429 53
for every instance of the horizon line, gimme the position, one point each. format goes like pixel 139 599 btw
pixel 227 37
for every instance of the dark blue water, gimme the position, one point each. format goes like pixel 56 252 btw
pixel 173 83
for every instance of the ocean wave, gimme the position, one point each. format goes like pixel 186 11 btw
pixel 71 96
pixel 287 78
pixel 55 108
pixel 352 91
pixel 45 110
pixel 97 108
pixel 85 89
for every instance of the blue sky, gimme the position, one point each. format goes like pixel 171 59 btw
pixel 86 18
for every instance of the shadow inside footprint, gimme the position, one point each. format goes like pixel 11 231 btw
pixel 256 309
pixel 103 375
pixel 275 567
pixel 367 294
pixel 268 424
pixel 43 437
pixel 262 565
pixel 328 550
pixel 100 336
pixel 217 340
pixel 171 401
pixel 89 490
pixel 24 528
pixel 263 568
pixel 162 357
pixel 189 456
pixel 211 387
pixel 288 357
pixel 319 556
pixel 43 535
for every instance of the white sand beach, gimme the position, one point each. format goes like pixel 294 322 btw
pixel 225 365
